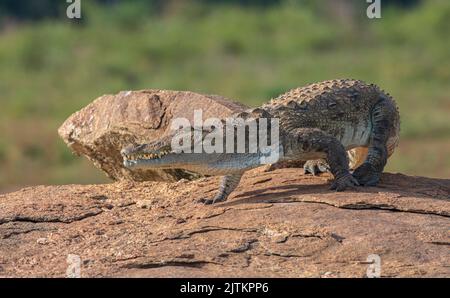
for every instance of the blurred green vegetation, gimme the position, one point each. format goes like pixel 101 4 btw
pixel 53 67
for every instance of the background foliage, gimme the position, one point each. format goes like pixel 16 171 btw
pixel 248 50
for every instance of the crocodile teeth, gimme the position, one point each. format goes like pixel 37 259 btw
pixel 134 157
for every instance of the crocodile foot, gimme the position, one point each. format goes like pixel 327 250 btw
pixel 207 201
pixel 344 182
pixel 315 167
pixel 367 175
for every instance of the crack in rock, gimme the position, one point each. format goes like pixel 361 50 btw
pixel 363 206
pixel 172 263
pixel 31 219
pixel 206 229
pixel 439 242
pixel 14 233
pixel 244 247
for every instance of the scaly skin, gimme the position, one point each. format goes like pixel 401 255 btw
pixel 318 124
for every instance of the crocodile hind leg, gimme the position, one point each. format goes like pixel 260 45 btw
pixel 227 185
pixel 369 172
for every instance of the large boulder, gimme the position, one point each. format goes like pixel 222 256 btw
pixel 100 130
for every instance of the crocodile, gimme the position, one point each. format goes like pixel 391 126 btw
pixel 318 123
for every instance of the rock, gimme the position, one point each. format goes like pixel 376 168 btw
pixel 42 241
pixel 277 224
pixel 144 204
pixel 100 130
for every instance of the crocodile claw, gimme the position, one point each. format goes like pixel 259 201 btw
pixel 206 201
pixel 367 175
pixel 344 182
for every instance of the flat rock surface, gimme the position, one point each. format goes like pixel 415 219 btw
pixel 277 224
pixel 111 122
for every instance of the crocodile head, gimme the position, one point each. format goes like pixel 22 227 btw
pixel 166 154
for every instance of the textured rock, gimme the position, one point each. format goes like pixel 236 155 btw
pixel 100 130
pixel 277 224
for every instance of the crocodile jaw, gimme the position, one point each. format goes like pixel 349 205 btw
pixel 203 163
pixel 213 164
pixel 166 161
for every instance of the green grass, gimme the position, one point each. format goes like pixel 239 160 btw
pixel 51 69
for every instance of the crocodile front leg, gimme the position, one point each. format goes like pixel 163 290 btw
pixel 227 185
pixel 315 142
